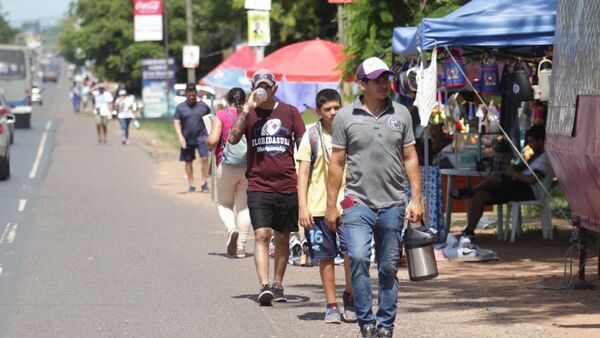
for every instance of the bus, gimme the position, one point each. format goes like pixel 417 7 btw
pixel 16 81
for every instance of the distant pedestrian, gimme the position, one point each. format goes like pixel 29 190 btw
pixel 85 95
pixel 75 95
pixel 192 134
pixel 375 135
pixel 232 183
pixel 272 130
pixel 314 155
pixel 103 108
pixel 126 112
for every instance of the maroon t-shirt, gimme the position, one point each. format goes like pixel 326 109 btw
pixel 271 135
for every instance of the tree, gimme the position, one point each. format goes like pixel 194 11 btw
pixel 7 33
pixel 371 23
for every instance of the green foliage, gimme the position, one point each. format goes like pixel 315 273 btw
pixel 7 33
pixel 371 23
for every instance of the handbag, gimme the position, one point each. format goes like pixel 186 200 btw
pixel 489 83
pixel 515 81
pixel 454 71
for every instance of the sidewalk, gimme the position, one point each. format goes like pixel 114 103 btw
pixel 513 297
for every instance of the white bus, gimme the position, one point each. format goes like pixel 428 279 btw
pixel 16 81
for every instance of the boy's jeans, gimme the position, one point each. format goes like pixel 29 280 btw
pixel 361 222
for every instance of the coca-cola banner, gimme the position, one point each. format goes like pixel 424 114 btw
pixel 148 20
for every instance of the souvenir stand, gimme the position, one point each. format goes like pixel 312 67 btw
pixel 484 30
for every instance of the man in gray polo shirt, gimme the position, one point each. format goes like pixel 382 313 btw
pixel 375 136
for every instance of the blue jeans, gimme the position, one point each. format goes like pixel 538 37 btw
pixel 125 127
pixel 361 223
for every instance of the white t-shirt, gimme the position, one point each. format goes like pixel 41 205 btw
pixel 102 101
pixel 541 163
pixel 125 107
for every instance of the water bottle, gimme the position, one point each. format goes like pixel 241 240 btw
pixel 260 95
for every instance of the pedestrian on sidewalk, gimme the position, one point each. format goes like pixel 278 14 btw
pixel 376 138
pixel 126 110
pixel 103 108
pixel 192 134
pixel 314 154
pixel 232 183
pixel 272 130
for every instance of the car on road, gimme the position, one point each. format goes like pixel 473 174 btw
pixel 36 95
pixel 50 74
pixel 5 111
pixel 5 136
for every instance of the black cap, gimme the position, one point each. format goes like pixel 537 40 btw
pixel 190 86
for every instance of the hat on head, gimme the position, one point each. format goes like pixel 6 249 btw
pixel 371 69
pixel 190 86
pixel 263 75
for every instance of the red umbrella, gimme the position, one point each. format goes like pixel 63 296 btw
pixel 307 61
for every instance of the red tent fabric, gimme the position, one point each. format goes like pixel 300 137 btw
pixel 242 58
pixel 307 61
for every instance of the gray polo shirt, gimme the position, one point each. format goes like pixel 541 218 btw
pixel 374 147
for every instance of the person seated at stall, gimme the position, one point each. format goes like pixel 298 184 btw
pixel 509 183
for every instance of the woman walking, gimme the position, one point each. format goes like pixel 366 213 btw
pixel 231 175
pixel 126 108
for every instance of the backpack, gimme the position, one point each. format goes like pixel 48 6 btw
pixel 315 138
pixel 235 154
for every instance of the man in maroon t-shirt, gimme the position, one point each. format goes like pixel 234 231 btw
pixel 271 129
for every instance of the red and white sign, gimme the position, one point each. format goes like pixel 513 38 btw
pixel 147 7
pixel 340 1
pixel 148 20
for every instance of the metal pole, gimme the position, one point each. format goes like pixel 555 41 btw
pixel 191 72
pixel 340 13
pixel 166 39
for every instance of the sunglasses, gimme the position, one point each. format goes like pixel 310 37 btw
pixel 258 77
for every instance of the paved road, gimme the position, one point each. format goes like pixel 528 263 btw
pixel 92 248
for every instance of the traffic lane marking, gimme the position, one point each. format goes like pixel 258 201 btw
pixel 22 203
pixel 9 234
pixel 40 151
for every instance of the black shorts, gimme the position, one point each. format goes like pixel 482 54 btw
pixel 189 154
pixel 278 211
pixel 511 190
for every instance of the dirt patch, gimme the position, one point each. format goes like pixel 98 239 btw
pixel 515 296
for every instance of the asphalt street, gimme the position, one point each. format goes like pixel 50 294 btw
pixel 91 247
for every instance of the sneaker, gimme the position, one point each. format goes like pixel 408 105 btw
pixel 468 233
pixel 240 253
pixel 265 296
pixel 278 295
pixel 332 315
pixel 368 331
pixel 385 333
pixel 232 242
pixel 204 187
pixel 461 194
pixel 192 189
pixel 349 314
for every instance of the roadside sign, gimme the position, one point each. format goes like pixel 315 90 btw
pixel 147 20
pixel 191 56
pixel 259 31
pixel 340 1
pixel 261 5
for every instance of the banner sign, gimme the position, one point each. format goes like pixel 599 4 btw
pixel 261 5
pixel 154 86
pixel 191 56
pixel 259 31
pixel 147 20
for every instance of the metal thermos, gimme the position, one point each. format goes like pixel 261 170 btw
pixel 418 244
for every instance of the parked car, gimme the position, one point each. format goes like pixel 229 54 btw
pixel 5 136
pixel 36 95
pixel 5 111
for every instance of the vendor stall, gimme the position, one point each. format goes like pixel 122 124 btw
pixel 492 49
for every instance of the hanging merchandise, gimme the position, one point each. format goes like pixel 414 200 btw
pixel 544 75
pixel 406 78
pixel 426 88
pixel 489 81
pixel 515 81
pixel 454 70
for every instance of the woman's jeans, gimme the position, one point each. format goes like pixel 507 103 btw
pixel 125 127
pixel 386 224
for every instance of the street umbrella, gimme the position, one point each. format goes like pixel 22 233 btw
pixel 232 71
pixel 303 69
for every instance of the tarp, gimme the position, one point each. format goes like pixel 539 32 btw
pixel 490 23
pixel 232 71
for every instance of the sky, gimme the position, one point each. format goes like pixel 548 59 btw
pixel 46 11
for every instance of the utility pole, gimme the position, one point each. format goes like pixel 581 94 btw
pixel 191 72
pixel 340 13
pixel 166 37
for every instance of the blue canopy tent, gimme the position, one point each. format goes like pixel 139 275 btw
pixel 489 23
